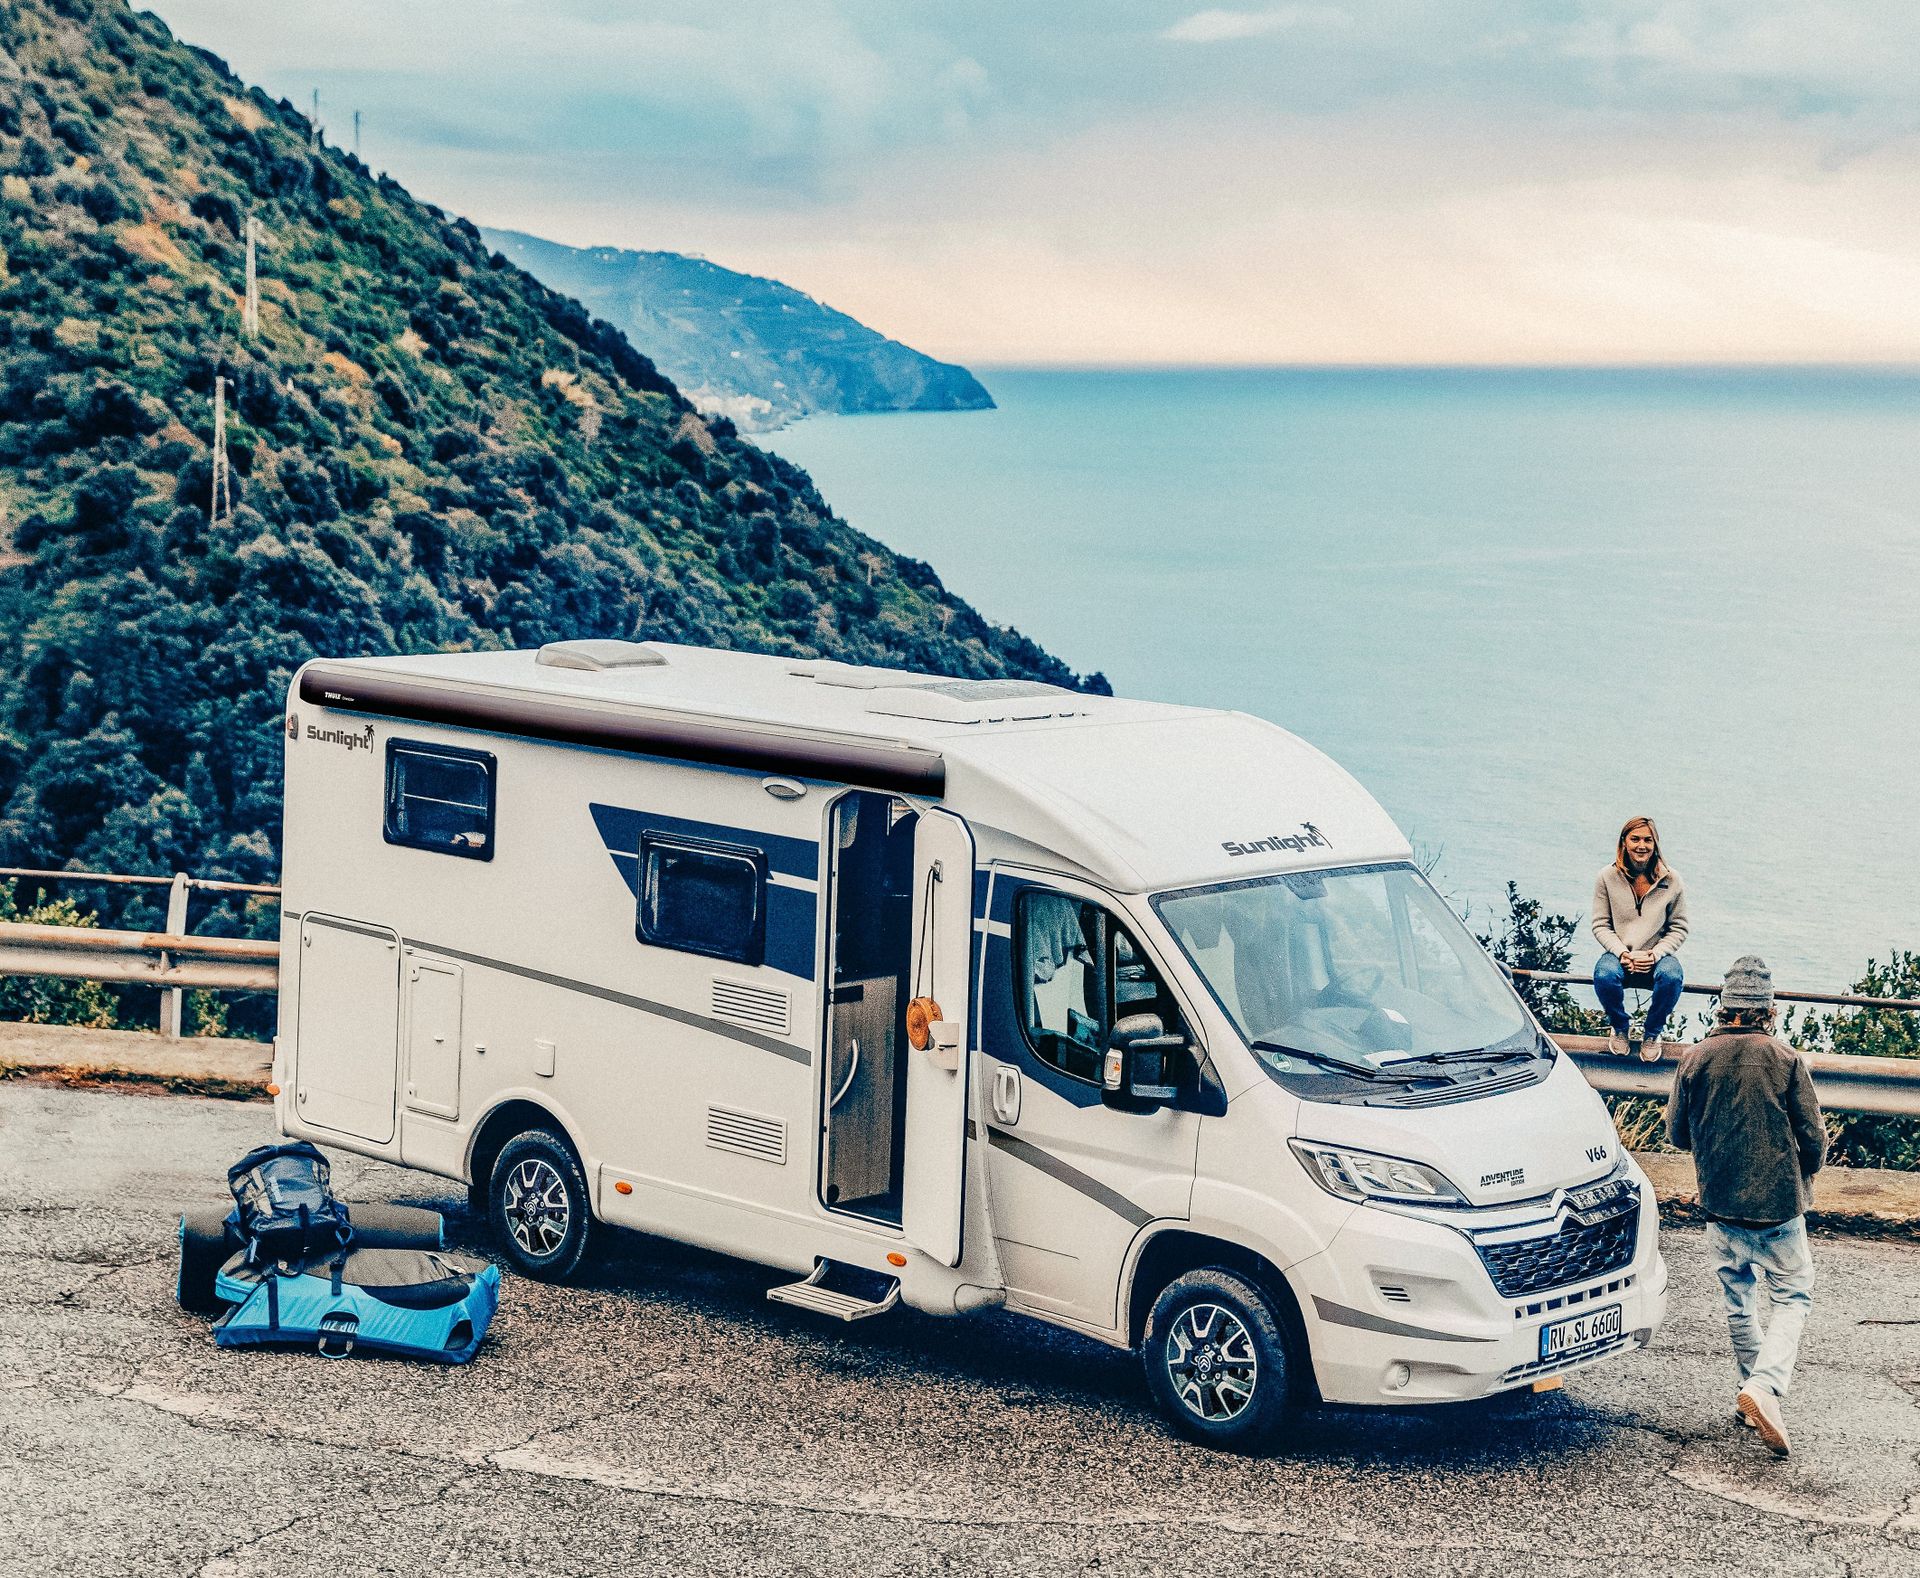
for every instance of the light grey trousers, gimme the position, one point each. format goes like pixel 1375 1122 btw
pixel 1779 1260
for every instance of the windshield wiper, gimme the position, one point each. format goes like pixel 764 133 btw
pixel 1473 1055
pixel 1327 1060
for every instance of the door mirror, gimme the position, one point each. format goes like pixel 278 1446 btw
pixel 1141 1067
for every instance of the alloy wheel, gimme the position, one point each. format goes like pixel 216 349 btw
pixel 1211 1362
pixel 536 1207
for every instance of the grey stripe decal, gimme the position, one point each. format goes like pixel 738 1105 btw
pixel 679 1016
pixel 1072 1177
pixel 358 928
pixel 1340 1315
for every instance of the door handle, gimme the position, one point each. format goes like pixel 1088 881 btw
pixel 1006 1094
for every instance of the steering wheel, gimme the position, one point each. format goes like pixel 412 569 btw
pixel 1360 984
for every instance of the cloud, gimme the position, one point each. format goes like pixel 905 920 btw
pixel 1219 27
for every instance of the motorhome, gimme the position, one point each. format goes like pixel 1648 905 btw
pixel 960 994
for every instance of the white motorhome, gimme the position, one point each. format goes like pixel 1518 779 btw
pixel 1134 1018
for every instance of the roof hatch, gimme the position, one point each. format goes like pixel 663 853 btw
pixel 598 656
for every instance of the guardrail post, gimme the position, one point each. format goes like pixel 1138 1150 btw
pixel 171 997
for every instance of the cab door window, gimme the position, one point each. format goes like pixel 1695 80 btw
pixel 1077 970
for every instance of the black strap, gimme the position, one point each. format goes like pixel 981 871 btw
pixel 273 1302
pixel 339 1267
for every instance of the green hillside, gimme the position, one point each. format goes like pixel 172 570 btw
pixel 748 348
pixel 430 450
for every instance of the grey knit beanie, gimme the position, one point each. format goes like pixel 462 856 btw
pixel 1749 986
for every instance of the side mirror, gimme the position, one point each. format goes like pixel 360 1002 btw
pixel 1141 1067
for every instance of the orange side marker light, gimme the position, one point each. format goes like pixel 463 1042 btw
pixel 895 1258
pixel 621 1186
pixel 272 1089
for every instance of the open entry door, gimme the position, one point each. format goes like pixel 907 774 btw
pixel 936 1148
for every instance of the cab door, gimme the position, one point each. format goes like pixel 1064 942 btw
pixel 1072 1181
pixel 934 1184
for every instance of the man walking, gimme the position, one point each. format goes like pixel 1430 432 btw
pixel 1743 1103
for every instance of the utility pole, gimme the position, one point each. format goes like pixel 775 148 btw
pixel 313 122
pixel 220 509
pixel 250 313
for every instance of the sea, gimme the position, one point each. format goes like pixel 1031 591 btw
pixel 1520 606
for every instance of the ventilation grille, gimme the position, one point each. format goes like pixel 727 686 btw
pixel 1446 1095
pixel 1393 1290
pixel 747 1133
pixel 759 1007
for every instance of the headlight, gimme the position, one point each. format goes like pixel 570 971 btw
pixel 1361 1175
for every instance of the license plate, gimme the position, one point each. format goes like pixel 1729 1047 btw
pixel 1565 1335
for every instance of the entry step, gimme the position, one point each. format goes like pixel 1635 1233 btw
pixel 859 1293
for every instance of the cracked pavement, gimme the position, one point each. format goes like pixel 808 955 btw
pixel 663 1417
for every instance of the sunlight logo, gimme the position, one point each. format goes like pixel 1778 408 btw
pixel 1309 837
pixel 353 739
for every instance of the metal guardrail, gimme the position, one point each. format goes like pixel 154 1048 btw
pixel 172 960
pixel 1701 988
pixel 1888 1086
pixel 153 958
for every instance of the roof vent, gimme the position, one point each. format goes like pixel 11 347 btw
pixel 598 656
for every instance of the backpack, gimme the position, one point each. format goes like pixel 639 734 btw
pixel 283 1204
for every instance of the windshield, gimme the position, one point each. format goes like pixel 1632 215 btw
pixel 1365 965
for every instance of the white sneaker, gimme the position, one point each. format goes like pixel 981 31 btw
pixel 1761 1409
pixel 1616 1044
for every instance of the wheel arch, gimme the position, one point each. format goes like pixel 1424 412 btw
pixel 515 1116
pixel 1173 1252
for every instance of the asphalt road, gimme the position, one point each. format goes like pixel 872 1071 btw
pixel 662 1417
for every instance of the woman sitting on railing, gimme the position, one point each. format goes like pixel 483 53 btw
pixel 1640 919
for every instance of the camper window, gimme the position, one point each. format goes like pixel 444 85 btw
pixel 703 898
pixel 440 797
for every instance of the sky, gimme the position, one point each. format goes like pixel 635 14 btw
pixel 1130 181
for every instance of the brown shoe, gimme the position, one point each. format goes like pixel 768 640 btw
pixel 1761 1409
pixel 1650 1049
pixel 1617 1045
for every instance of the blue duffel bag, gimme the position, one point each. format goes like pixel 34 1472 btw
pixel 418 1303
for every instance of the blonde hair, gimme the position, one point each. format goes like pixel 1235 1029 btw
pixel 1655 865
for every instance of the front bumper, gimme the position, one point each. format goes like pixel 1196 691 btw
pixel 1402 1309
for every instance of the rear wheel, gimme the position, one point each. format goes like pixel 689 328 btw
pixel 1216 1360
pixel 537 1202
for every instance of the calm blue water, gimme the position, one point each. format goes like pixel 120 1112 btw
pixel 1519 606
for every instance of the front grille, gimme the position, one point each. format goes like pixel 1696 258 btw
pixel 1577 1253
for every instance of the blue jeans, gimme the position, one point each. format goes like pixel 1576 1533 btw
pixel 1779 1257
pixel 1610 985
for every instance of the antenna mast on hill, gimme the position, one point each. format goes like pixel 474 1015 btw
pixel 220 509
pixel 356 134
pixel 250 313
pixel 313 122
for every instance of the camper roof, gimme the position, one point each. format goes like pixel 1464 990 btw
pixel 1141 795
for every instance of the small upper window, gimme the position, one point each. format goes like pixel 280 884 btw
pixel 703 898
pixel 440 797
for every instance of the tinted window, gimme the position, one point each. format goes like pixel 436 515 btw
pixel 440 798
pixel 703 898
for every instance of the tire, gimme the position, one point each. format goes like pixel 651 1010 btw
pixel 537 1203
pixel 1217 1362
pixel 203 1251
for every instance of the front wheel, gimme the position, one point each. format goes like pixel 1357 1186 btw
pixel 1216 1360
pixel 537 1202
